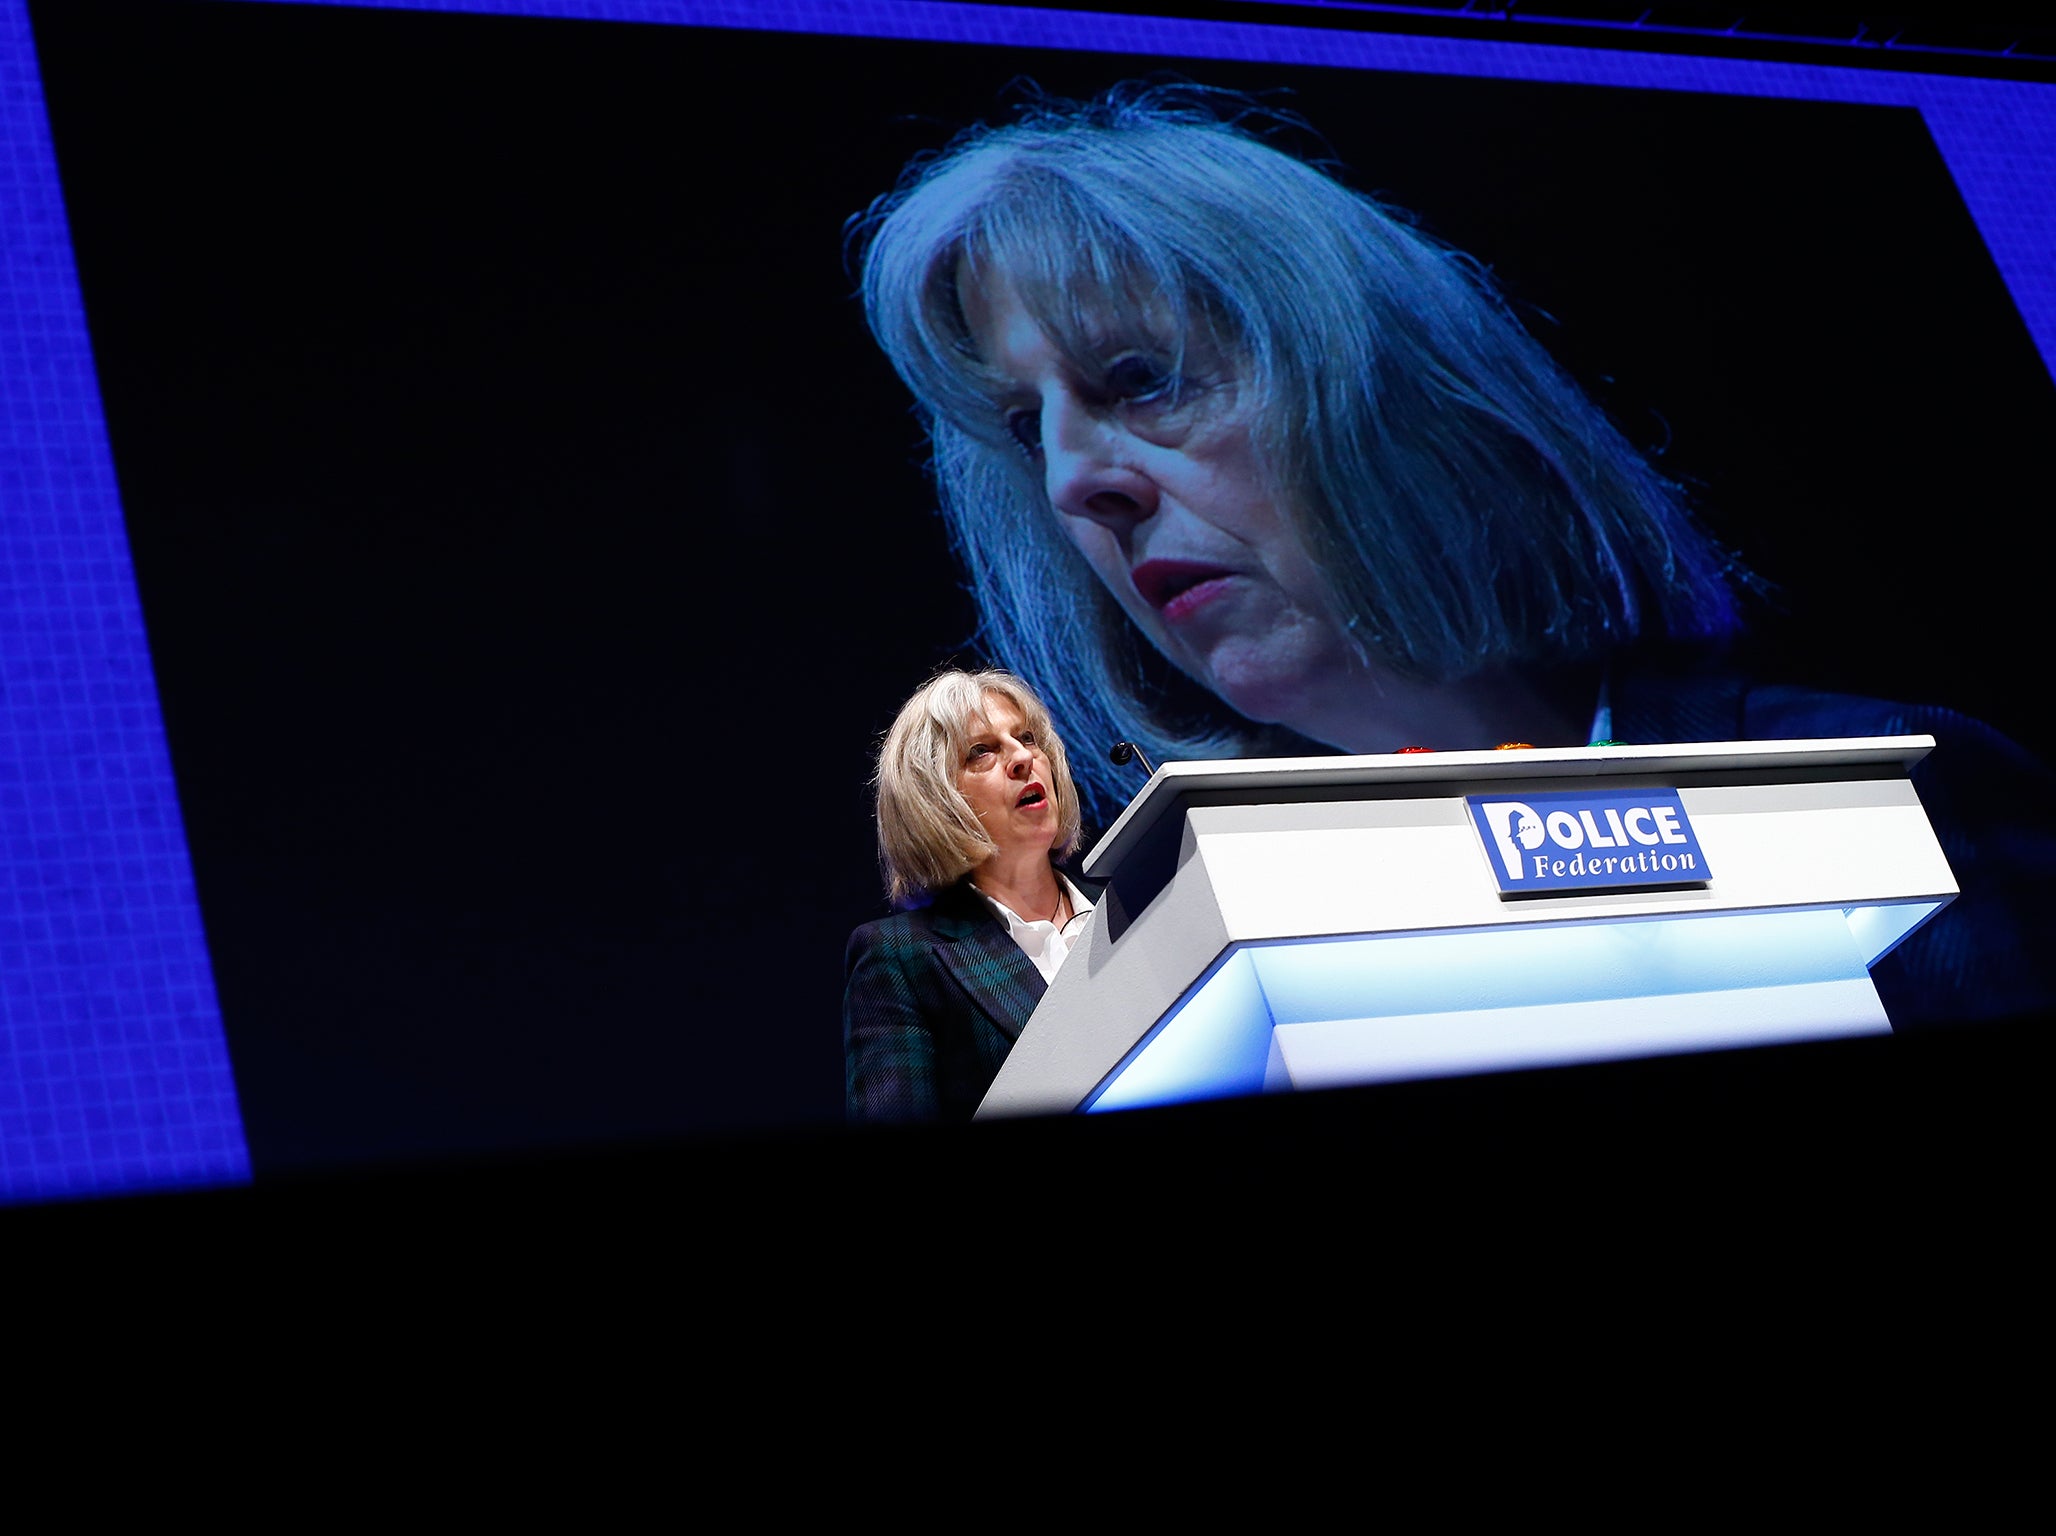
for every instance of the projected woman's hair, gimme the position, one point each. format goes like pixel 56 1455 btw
pixel 1240 460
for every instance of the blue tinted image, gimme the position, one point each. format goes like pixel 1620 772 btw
pixel 465 552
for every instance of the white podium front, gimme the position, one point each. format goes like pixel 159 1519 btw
pixel 1316 922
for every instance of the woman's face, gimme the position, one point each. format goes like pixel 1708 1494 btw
pixel 1006 779
pixel 1157 481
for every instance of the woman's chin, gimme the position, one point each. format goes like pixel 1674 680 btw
pixel 1267 692
pixel 1292 674
pixel 1027 835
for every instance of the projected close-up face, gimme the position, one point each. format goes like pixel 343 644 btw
pixel 1310 458
pixel 1149 457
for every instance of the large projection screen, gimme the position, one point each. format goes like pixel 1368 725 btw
pixel 461 544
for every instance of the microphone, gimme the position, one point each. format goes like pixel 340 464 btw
pixel 1125 752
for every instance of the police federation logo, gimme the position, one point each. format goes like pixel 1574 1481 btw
pixel 1613 840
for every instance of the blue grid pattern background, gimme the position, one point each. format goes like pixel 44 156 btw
pixel 114 1072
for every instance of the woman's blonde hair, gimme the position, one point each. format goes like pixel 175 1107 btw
pixel 928 836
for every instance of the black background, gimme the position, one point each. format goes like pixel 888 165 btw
pixel 533 545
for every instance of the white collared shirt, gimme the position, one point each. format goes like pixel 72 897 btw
pixel 1044 943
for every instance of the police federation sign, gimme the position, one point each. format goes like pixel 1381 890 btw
pixel 1608 840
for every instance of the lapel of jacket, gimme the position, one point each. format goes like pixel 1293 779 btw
pixel 974 947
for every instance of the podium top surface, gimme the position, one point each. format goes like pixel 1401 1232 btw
pixel 1253 780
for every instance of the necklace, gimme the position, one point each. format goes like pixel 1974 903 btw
pixel 1062 915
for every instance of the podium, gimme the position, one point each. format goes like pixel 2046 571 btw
pixel 1299 923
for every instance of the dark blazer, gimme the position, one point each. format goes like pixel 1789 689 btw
pixel 933 999
pixel 1991 953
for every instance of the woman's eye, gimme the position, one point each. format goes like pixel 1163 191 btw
pixel 1025 428
pixel 1137 379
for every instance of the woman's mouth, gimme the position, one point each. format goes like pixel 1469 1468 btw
pixel 1179 588
pixel 1034 794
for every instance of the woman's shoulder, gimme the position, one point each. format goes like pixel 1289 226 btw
pixel 894 926
pixel 1980 761
pixel 911 930
pixel 896 931
pixel 1688 696
pixel 945 917
pixel 1789 710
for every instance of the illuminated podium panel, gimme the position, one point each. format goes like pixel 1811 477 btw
pixel 1320 922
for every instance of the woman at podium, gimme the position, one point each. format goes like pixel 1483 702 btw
pixel 975 804
pixel 1243 463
